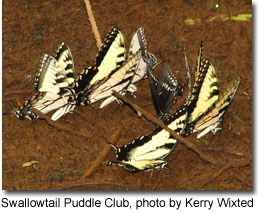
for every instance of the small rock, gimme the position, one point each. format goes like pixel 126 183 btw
pixel 38 31
pixel 57 178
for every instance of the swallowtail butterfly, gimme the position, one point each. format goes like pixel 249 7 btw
pixel 163 90
pixel 166 90
pixel 205 107
pixel 150 151
pixel 54 82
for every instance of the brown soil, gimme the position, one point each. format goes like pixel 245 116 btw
pixel 32 28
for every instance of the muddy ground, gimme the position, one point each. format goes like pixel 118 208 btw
pixel 32 28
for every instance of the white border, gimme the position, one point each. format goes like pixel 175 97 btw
pixel 258 150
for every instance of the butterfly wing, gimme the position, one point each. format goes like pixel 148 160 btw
pixel 166 89
pixel 54 81
pixel 138 42
pixel 24 111
pixel 109 59
pixel 163 90
pixel 117 81
pixel 145 152
pixel 149 151
pixel 63 55
pixel 57 94
pixel 198 65
pixel 111 55
pixel 205 91
pixel 46 80
pixel 55 72
pixel 211 119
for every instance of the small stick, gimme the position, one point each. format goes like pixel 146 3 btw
pixel 93 23
pixel 216 175
pixel 18 92
pixel 114 139
pixel 230 164
pixel 156 184
pixel 203 155
pixel 78 111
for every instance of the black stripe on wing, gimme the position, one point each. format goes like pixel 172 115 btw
pixel 81 83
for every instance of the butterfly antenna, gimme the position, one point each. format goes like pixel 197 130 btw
pixel 10 112
pixel 114 146
pixel 188 73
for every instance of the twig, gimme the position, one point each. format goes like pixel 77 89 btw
pixel 215 175
pixel 230 164
pixel 9 98
pixel 156 184
pixel 78 111
pixel 12 112
pixel 203 155
pixel 114 139
pixel 17 92
pixel 93 23
pixel 225 151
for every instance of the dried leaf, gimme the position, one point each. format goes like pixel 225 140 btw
pixel 235 117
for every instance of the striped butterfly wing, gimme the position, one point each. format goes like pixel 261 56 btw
pixel 200 54
pixel 24 111
pixel 138 44
pixel 84 78
pixel 117 81
pixel 64 57
pixel 46 77
pixel 144 153
pixel 149 151
pixel 210 120
pixel 57 93
pixel 60 74
pixel 110 58
pixel 111 55
pixel 205 91
pixel 53 101
pixel 163 90
pixel 45 102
